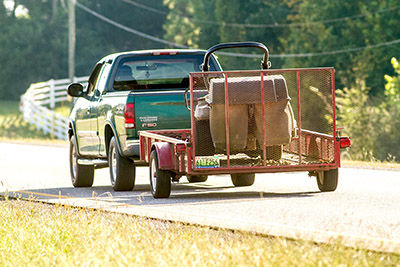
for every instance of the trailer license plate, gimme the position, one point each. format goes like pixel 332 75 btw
pixel 207 162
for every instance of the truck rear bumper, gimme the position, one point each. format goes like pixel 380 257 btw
pixel 132 148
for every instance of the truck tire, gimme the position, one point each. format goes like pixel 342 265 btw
pixel 122 170
pixel 243 179
pixel 327 180
pixel 81 175
pixel 196 178
pixel 160 180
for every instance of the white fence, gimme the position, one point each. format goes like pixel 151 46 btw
pixel 38 103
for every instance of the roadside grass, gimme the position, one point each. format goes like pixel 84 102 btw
pixel 14 128
pixel 35 234
pixel 63 109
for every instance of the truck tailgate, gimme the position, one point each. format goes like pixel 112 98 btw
pixel 160 110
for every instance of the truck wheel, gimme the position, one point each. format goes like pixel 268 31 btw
pixel 327 180
pixel 196 178
pixel 160 180
pixel 81 175
pixel 122 170
pixel 243 179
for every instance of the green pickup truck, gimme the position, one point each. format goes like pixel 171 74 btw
pixel 126 93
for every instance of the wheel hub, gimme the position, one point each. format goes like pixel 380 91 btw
pixel 320 177
pixel 74 161
pixel 153 175
pixel 113 165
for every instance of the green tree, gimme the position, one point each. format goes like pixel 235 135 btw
pixel 32 48
pixel 372 122
pixel 179 28
pixel 252 13
pixel 202 23
pixel 35 47
pixel 359 117
pixel 96 38
pixel 388 143
pixel 373 28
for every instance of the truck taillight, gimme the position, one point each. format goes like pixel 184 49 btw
pixel 344 142
pixel 129 115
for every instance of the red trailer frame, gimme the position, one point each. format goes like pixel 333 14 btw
pixel 176 148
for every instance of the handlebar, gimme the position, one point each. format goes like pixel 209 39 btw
pixel 265 64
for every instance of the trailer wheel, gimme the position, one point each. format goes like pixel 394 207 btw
pixel 160 180
pixel 243 179
pixel 196 178
pixel 81 175
pixel 122 170
pixel 327 180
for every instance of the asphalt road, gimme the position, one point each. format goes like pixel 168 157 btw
pixel 364 210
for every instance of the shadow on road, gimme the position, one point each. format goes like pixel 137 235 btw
pixel 182 193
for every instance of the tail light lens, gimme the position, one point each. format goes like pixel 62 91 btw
pixel 180 148
pixel 344 142
pixel 129 115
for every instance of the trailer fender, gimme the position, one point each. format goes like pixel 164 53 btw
pixel 165 152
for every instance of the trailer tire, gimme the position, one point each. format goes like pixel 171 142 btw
pixel 81 175
pixel 160 180
pixel 243 179
pixel 196 178
pixel 122 170
pixel 327 180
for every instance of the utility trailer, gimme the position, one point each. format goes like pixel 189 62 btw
pixel 247 122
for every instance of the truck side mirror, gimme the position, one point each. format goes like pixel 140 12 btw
pixel 75 90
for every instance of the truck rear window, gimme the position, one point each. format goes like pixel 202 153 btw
pixel 158 72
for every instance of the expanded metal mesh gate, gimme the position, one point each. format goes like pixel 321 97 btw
pixel 263 119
